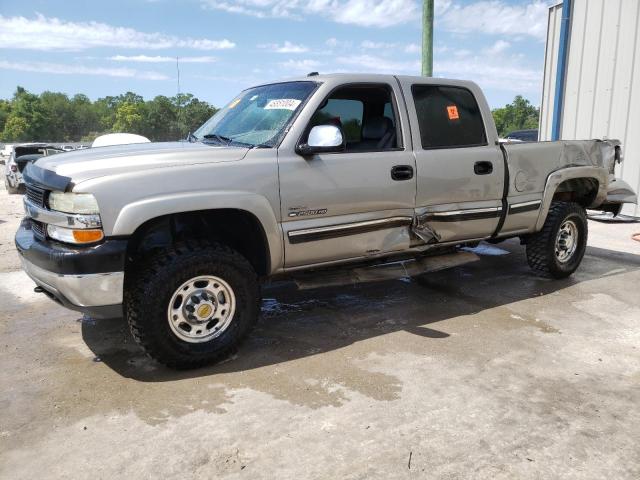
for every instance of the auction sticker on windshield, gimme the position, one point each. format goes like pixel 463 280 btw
pixel 283 104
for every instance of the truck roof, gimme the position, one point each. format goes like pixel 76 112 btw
pixel 373 77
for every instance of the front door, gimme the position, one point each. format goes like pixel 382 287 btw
pixel 356 203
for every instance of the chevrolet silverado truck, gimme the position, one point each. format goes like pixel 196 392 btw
pixel 314 173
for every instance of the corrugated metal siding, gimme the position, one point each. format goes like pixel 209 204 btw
pixel 550 64
pixel 602 90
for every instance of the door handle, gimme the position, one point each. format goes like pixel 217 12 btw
pixel 402 172
pixel 483 168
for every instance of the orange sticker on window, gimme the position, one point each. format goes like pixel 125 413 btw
pixel 452 111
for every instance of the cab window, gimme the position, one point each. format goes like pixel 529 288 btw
pixel 448 117
pixel 365 114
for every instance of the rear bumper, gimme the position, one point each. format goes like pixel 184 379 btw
pixel 76 278
pixel 620 191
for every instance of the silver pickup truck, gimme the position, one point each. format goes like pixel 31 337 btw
pixel 318 172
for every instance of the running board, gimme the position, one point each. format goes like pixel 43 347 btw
pixel 385 271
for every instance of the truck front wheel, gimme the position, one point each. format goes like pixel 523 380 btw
pixel 557 250
pixel 192 304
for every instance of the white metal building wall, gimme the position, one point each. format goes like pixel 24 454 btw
pixel 602 83
pixel 550 67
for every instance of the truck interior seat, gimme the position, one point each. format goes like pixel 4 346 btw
pixel 378 133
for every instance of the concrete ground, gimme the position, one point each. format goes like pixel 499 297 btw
pixel 482 371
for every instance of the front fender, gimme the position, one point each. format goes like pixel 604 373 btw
pixel 135 214
pixel 556 178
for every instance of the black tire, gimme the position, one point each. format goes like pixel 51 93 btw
pixel 541 246
pixel 149 291
pixel 11 190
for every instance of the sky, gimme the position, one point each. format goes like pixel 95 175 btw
pixel 102 48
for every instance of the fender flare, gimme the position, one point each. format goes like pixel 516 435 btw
pixel 556 178
pixel 133 215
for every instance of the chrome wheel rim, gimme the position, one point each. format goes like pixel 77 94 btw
pixel 201 309
pixel 566 241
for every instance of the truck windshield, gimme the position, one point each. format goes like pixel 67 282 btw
pixel 256 117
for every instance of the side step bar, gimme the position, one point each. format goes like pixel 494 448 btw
pixel 385 271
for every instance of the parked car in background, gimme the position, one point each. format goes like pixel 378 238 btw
pixel 68 148
pixel 20 157
pixel 6 150
pixel 523 135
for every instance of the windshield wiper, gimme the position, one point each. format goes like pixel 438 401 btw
pixel 221 139
pixel 191 137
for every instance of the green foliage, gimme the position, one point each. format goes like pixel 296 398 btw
pixel 54 117
pixel 518 115
pixel 129 117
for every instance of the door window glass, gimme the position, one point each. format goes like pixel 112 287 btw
pixel 364 113
pixel 343 113
pixel 448 117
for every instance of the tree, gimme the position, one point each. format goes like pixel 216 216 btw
pixel 58 115
pixel 55 117
pixel 85 119
pixel 5 110
pixel 191 113
pixel 129 118
pixel 15 129
pixel 27 120
pixel 518 115
pixel 161 121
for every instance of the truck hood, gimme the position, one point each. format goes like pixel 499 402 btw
pixel 81 165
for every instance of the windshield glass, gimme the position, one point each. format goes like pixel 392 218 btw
pixel 256 117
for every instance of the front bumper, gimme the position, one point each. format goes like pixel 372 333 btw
pixel 89 279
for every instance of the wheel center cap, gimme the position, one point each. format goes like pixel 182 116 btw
pixel 204 310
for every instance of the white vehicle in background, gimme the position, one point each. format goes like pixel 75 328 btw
pixel 6 150
pixel 68 148
pixel 21 156
pixel 118 139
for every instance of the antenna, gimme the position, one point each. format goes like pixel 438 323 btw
pixel 178 70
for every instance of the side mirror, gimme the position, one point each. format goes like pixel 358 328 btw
pixel 322 139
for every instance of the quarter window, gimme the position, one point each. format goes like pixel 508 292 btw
pixel 448 117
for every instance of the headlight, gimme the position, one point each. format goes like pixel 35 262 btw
pixel 73 202
pixel 69 235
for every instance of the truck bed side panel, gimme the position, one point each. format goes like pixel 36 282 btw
pixel 530 166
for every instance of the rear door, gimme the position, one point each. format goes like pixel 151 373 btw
pixel 352 204
pixel 460 170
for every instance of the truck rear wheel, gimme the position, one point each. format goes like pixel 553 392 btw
pixel 557 250
pixel 191 305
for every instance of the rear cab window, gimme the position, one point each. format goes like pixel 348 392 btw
pixel 448 117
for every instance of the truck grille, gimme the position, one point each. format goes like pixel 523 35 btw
pixel 38 229
pixel 36 195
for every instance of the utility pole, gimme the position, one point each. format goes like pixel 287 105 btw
pixel 427 38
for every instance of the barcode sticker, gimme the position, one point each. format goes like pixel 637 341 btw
pixel 282 104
